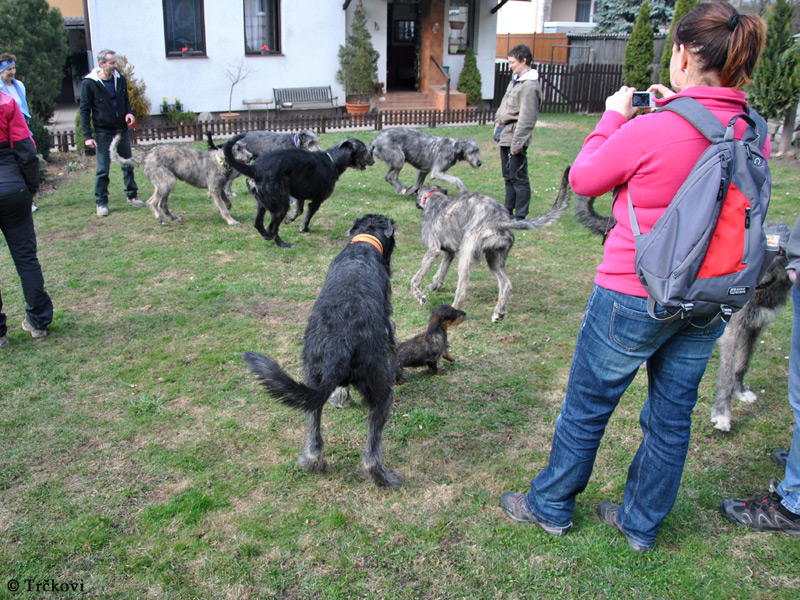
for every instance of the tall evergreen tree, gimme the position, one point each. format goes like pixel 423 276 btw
pixel 681 8
pixel 358 59
pixel 637 70
pixel 775 87
pixel 469 81
pixel 35 33
pixel 619 16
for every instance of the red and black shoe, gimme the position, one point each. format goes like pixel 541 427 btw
pixel 762 512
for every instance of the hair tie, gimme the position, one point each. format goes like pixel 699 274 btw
pixel 733 21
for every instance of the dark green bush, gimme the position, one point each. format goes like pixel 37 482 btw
pixel 40 135
pixel 469 82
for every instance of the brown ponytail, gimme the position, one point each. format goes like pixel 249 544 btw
pixel 722 41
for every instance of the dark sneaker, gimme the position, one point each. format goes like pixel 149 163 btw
pixel 608 514
pixel 763 512
pixel 515 507
pixel 35 333
pixel 135 202
pixel 780 457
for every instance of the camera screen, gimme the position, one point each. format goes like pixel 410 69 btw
pixel 641 99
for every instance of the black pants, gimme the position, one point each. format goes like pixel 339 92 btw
pixel 16 223
pixel 518 186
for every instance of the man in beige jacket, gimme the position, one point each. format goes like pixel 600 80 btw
pixel 515 120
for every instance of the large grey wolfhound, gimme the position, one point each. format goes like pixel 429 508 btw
pixel 473 224
pixel 164 165
pixel 737 344
pixel 428 153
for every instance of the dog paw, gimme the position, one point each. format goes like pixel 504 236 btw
pixel 497 317
pixel 175 218
pixel 747 397
pixel 721 422
pixel 384 478
pixel 340 398
pixel 419 296
pixel 234 223
pixel 311 463
pixel 303 230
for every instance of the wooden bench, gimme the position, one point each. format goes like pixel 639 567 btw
pixel 305 97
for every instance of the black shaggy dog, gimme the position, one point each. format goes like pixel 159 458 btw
pixel 737 344
pixel 349 340
pixel 425 349
pixel 279 176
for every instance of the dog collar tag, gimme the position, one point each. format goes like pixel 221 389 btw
pixel 368 239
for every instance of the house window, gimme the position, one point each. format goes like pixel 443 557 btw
pixel 462 26
pixel 583 11
pixel 261 27
pixel 184 28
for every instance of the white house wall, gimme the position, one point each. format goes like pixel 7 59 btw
pixel 311 33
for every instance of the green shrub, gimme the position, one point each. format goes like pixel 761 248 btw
pixel 469 82
pixel 40 135
pixel 140 104
pixel 637 70
pixel 80 145
pixel 179 116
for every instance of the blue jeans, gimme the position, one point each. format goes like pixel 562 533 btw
pixel 789 488
pixel 518 186
pixel 616 337
pixel 103 139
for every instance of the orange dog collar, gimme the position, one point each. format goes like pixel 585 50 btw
pixel 368 239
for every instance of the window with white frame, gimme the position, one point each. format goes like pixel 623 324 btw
pixel 261 27
pixel 184 30
pixel 462 26
pixel 583 11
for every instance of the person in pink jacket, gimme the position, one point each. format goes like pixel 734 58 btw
pixel 713 55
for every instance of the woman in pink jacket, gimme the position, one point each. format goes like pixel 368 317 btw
pixel 713 55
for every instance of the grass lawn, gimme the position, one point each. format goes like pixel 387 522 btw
pixel 139 459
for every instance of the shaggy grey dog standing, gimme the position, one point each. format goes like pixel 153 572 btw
pixel 164 165
pixel 473 224
pixel 737 344
pixel 261 142
pixel 349 340
pixel 428 153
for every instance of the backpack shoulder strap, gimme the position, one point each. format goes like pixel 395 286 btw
pixel 760 125
pixel 699 116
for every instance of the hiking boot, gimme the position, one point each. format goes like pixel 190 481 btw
pixel 515 507
pixel 136 202
pixel 780 457
pixel 102 210
pixel 763 512
pixel 35 333
pixel 608 514
pixel 3 341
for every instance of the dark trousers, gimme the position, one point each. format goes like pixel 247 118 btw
pixel 16 223
pixel 518 186
pixel 103 139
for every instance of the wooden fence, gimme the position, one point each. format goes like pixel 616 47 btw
pixel 65 140
pixel 567 89
pixel 546 47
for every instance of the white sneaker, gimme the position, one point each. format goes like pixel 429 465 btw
pixel 102 210
pixel 35 333
pixel 135 202
pixel 34 208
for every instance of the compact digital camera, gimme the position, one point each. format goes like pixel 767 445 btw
pixel 643 100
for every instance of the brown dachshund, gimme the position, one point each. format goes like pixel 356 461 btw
pixel 425 349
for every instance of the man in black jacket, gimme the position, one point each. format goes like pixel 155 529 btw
pixel 106 106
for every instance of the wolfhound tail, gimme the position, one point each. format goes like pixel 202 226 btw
pixel 231 159
pixel 588 217
pixel 211 144
pixel 551 216
pixel 284 388
pixel 125 162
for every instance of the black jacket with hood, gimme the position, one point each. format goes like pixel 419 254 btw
pixel 96 102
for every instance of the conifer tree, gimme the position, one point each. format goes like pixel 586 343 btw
pixel 619 16
pixel 682 7
pixel 469 82
pixel 775 87
pixel 637 70
pixel 358 59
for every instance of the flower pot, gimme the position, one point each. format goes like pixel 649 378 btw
pixel 356 108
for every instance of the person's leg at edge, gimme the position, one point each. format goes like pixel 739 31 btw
pixel 518 167
pixel 124 149
pixel 17 226
pixel 789 487
pixel 674 373
pixel 511 192
pixel 103 140
pixel 602 369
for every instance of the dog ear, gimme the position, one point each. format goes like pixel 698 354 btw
pixel 390 228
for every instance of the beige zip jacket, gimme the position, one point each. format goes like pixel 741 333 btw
pixel 519 111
